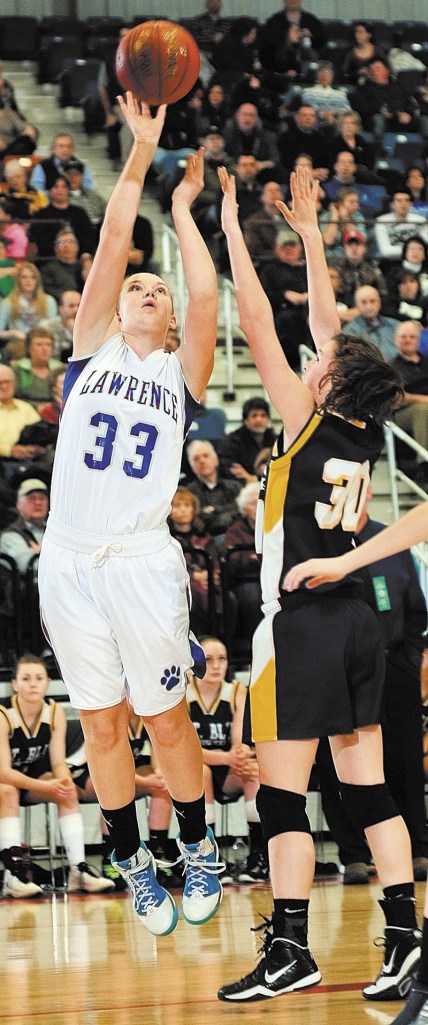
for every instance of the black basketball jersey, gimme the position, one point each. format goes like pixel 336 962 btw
pixel 312 495
pixel 30 748
pixel 213 725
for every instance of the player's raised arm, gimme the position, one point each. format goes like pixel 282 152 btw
pixel 199 335
pixel 96 317
pixel 291 398
pixel 302 217
pixel 410 530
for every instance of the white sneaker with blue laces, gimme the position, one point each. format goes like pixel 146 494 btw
pixel 153 904
pixel 203 891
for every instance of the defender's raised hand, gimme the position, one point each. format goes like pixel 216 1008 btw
pixel 302 215
pixel 192 181
pixel 229 209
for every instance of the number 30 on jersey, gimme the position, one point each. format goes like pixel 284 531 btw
pixel 350 482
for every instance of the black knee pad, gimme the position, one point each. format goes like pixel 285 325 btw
pixel 368 805
pixel 281 811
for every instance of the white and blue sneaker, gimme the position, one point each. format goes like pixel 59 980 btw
pixel 203 891
pixel 153 904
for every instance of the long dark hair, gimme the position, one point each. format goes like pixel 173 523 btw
pixel 363 385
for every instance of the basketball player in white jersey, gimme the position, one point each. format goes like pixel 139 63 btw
pixel 113 584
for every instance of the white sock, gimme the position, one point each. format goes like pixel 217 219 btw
pixel 251 811
pixel 71 827
pixel 10 832
pixel 210 814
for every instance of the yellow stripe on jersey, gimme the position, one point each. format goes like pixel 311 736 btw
pixel 263 684
pixel 279 473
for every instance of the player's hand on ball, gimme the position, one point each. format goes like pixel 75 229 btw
pixel 229 209
pixel 192 181
pixel 143 126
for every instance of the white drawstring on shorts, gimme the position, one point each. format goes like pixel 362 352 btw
pixel 103 553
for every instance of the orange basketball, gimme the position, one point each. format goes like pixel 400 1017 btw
pixel 158 61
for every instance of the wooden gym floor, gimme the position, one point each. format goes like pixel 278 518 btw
pixel 83 960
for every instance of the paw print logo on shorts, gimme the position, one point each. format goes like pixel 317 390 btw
pixel 170 678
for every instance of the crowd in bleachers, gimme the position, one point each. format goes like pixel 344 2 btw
pixel 349 101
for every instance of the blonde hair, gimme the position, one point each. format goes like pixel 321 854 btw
pixel 40 298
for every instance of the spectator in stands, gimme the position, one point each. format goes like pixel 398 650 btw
pixel 23 199
pixel 23 537
pixel 7 93
pixel 362 52
pixel 248 187
pixel 26 305
pixel 236 52
pixel 209 28
pixel 358 269
pixel 348 138
pixel 172 341
pixel 394 228
pixel 216 708
pixel 415 183
pixel 50 412
pixel 34 371
pixel 15 234
pixel 383 106
pixel 87 199
pixel 346 313
pixel 64 272
pixel 245 134
pixel 328 101
pixel 273 34
pixel 15 414
pixel 216 495
pixel 61 326
pixel 405 299
pixel 371 324
pixel 16 135
pixel 371 192
pixel 214 109
pixel 343 217
pixel 285 282
pixel 261 228
pixel 38 769
pixel 46 171
pixel 141 248
pixel 187 526
pixel 412 416
pixel 242 566
pixel 60 213
pixel 179 138
pixel 206 207
pixel 414 258
pixel 302 135
pixel 239 449
pixel 8 269
pixel 421 97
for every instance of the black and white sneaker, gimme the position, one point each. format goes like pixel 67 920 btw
pixel 284 967
pixel 256 869
pixel 415 1012
pixel 402 954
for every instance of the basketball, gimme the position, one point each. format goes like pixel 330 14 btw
pixel 158 61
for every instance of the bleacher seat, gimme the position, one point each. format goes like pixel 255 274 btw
pixel 338 30
pixel 78 81
pixel 335 51
pixel 19 38
pixel 410 31
pixel 410 150
pixel 410 79
pixel 55 53
pixel 106 25
pixel 61 25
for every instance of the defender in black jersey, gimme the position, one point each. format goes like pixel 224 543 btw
pixel 318 660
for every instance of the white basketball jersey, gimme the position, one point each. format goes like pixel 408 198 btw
pixel 118 455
